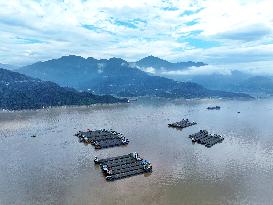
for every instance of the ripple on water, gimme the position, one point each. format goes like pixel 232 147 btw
pixel 54 168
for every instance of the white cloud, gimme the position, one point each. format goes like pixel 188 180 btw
pixel 149 70
pixel 41 30
pixel 256 68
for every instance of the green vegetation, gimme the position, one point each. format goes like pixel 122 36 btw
pixel 116 76
pixel 18 92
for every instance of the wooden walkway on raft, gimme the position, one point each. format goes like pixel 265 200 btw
pixel 204 138
pixel 101 139
pixel 115 168
pixel 182 124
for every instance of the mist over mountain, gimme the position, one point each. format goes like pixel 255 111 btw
pixel 18 91
pixel 157 65
pixel 236 81
pixel 8 67
pixel 115 76
pixel 256 84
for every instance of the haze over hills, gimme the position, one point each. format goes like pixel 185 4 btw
pixel 158 64
pixel 256 84
pixel 18 91
pixel 7 66
pixel 115 76
pixel 236 81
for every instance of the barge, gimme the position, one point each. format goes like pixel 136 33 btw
pixel 102 138
pixel 214 108
pixel 204 138
pixel 119 167
pixel 182 124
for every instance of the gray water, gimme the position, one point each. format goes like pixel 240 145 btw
pixel 54 168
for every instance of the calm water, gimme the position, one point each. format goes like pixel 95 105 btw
pixel 54 168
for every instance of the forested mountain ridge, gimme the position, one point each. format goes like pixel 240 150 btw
pixel 18 92
pixel 115 76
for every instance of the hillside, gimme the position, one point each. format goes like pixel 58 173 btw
pixel 236 81
pixel 7 66
pixel 18 91
pixel 159 64
pixel 115 76
pixel 257 84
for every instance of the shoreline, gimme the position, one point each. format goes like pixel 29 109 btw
pixel 135 100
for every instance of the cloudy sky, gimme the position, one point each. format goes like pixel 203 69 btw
pixel 226 34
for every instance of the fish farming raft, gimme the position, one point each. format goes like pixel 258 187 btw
pixel 123 166
pixel 204 138
pixel 182 124
pixel 103 138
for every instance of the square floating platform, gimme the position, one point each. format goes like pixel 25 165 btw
pixel 119 167
pixel 182 124
pixel 204 138
pixel 101 139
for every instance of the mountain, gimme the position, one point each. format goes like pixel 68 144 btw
pixel 115 76
pixel 236 81
pixel 256 84
pixel 215 81
pixel 7 66
pixel 18 91
pixel 159 64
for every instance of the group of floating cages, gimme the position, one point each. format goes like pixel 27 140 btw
pixel 123 166
pixel 182 124
pixel 204 138
pixel 214 108
pixel 115 167
pixel 101 139
pixel 132 164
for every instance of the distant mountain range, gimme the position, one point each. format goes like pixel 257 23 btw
pixel 18 92
pixel 117 77
pixel 159 64
pixel 235 82
pixel 7 66
pixel 256 84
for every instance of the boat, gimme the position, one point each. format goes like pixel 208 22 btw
pixel 214 108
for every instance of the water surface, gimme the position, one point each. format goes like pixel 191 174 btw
pixel 54 168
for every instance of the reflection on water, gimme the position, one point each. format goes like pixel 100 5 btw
pixel 54 168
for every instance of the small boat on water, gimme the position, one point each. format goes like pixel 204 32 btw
pixel 214 108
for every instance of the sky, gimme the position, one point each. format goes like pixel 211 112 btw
pixel 226 34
